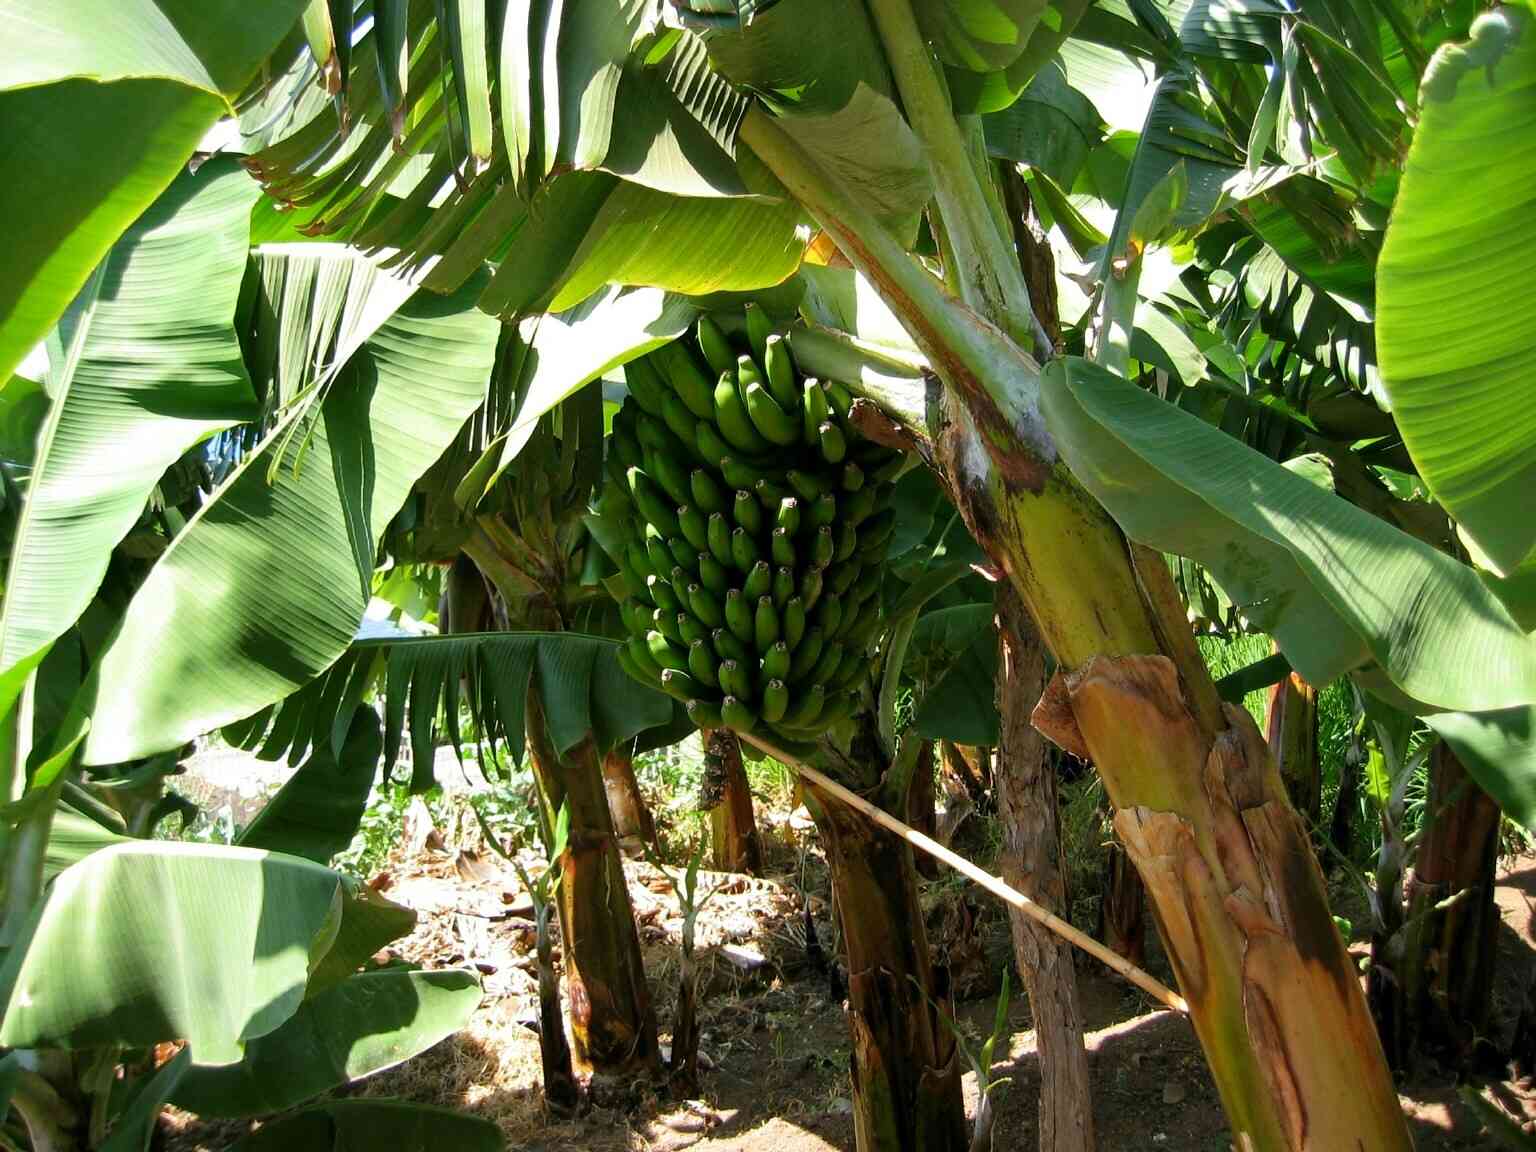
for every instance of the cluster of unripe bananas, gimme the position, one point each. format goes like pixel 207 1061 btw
pixel 756 524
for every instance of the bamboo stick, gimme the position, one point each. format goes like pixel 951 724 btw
pixel 1143 980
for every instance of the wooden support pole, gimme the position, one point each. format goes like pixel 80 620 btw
pixel 1143 980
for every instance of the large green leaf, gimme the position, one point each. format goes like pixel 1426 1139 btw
pixel 1499 750
pixel 981 35
pixel 316 812
pixel 151 941
pixel 363 1125
pixel 365 1024
pixel 146 364
pixel 1341 590
pixel 101 104
pixel 962 705
pixel 1456 343
pixel 266 586
pixel 72 838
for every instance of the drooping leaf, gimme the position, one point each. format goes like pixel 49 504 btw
pixel 1457 348
pixel 367 1023
pixel 316 812
pixel 103 102
pixel 584 692
pixel 72 838
pixel 268 583
pixel 962 705
pixel 1340 590
pixel 348 1125
pixel 150 941
pixel 1498 749
pixel 145 364
pixel 1050 126
pixel 980 35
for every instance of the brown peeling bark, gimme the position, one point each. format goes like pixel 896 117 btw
pixel 1122 907
pixel 736 846
pixel 1293 742
pixel 613 1027
pixel 632 821
pixel 1032 862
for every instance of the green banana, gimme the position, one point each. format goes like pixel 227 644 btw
pixel 662 593
pixel 759 328
pixel 768 417
pixel 794 621
pixel 704 714
pixel 765 624
pixel 718 536
pixel 788 515
pixel 782 548
pixel 681 582
pixel 841 578
pixel 876 531
pixel 830 615
pixel 822 547
pixel 680 418
pixel 867 584
pixel 862 630
pixel 654 506
pixel 732 419
pixel 759 581
pixel 739 474
pixel 711 445
pixel 806 708
pixel 664 653
pixel 736 715
pixel 707 494
pixel 776 661
pixel 770 495
pixel 691 628
pixel 840 398
pixel 656 552
pixel 695 527
pixel 856 507
pixel 837 708
pixel 813 411
pixel 718 353
pixel 627 662
pixel 624 448
pixel 682 371
pixel 712 574
pixel 681 686
pixel 810 587
pixel 833 444
pixel 636 616
pixel 806 654
pixel 852 477
pixel 738 615
pixel 775 700
pixel 847 541
pixel 734 678
pixel 779 367
pixel 726 646
pixel 645 385
pixel 702 663
pixel 666 623
pixel 641 658
pixel 824 509
pixel 685 554
pixel 744 550
pixel 747 512
pixel 805 486
pixel 783 586
pixel 705 606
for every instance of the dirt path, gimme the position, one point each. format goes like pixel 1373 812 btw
pixel 773 1035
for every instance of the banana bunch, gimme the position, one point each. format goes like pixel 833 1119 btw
pixel 756 524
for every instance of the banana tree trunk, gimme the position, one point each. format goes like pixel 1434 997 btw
pixel 905 1066
pixel 1032 862
pixel 1453 919
pixel 732 825
pixel 613 1027
pixel 1293 742
pixel 631 815
pixel 1122 907
pixel 922 808
pixel 1202 813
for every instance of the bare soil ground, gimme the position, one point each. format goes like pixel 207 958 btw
pixel 774 1043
